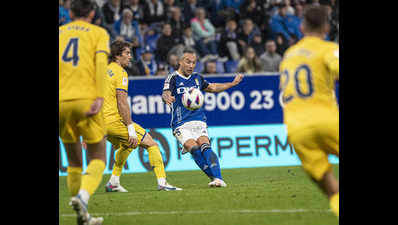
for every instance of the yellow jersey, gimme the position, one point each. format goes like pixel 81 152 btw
pixel 309 71
pixel 117 79
pixel 79 42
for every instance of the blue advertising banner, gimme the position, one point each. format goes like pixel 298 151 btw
pixel 236 146
pixel 245 125
pixel 254 101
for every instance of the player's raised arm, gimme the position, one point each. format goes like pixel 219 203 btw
pixel 219 87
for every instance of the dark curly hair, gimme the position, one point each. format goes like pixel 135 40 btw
pixel 117 48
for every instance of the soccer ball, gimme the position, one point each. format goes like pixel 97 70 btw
pixel 192 99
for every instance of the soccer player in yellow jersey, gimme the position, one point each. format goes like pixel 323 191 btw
pixel 122 132
pixel 309 70
pixel 83 49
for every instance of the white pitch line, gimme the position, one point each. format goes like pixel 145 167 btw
pixel 134 213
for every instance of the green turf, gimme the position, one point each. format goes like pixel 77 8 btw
pixel 256 190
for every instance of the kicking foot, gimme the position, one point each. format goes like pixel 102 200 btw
pixel 217 183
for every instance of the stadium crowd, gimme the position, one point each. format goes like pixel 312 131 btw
pixel 247 36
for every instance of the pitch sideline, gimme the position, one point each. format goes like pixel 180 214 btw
pixel 134 213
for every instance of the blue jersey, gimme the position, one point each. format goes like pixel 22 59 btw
pixel 178 84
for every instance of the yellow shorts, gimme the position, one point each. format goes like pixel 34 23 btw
pixel 313 141
pixel 73 123
pixel 118 135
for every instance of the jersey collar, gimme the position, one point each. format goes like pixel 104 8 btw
pixel 186 78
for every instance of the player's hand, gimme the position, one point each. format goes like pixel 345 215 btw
pixel 95 107
pixel 237 79
pixel 133 141
pixel 169 99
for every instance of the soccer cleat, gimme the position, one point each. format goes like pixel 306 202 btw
pixel 168 187
pixel 95 221
pixel 83 217
pixel 217 183
pixel 114 188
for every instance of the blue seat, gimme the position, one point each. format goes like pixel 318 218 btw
pixel 220 67
pixel 199 67
pixel 231 66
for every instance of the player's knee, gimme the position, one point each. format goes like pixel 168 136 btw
pixel 189 144
pixel 193 148
pixel 205 146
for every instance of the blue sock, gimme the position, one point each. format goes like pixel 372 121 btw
pixel 200 161
pixel 211 159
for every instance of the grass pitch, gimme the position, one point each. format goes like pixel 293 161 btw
pixel 254 196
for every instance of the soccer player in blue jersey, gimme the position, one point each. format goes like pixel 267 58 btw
pixel 189 127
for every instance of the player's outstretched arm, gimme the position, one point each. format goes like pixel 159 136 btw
pixel 219 87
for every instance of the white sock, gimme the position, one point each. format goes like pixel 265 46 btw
pixel 162 181
pixel 84 195
pixel 115 180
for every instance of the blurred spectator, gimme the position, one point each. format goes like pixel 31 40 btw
pixel 228 44
pixel 270 58
pixel 250 63
pixel 147 64
pixel 257 44
pixel 127 27
pixel 176 21
pixel 234 4
pixel 251 10
pixel 285 24
pixel 213 9
pixel 246 34
pixel 168 5
pixel 161 70
pixel 204 34
pixel 165 42
pixel 220 11
pixel 334 20
pixel 98 16
pixel 151 37
pixel 189 10
pixel 290 9
pixel 187 38
pixel 132 69
pixel 136 8
pixel 281 44
pixel 210 67
pixel 154 11
pixel 64 6
pixel 100 3
pixel 112 11
pixel 172 62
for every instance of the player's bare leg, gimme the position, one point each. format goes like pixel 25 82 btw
pixel 90 182
pixel 156 161
pixel 212 161
pixel 330 186
pixel 74 154
pixel 121 155
pixel 193 147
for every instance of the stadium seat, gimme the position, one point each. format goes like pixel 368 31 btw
pixel 231 66
pixel 220 67
pixel 199 67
